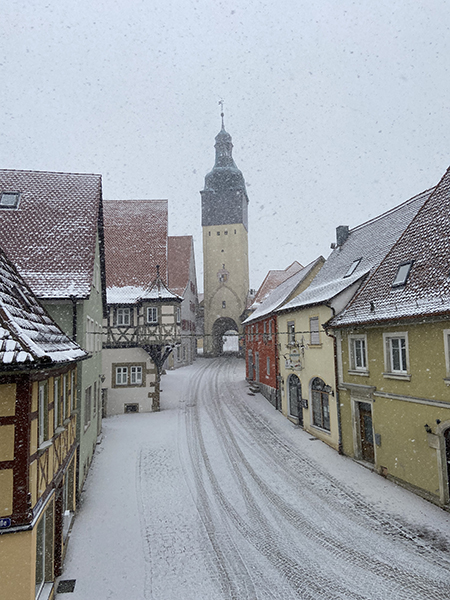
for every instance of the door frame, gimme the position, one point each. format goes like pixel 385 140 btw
pixel 356 421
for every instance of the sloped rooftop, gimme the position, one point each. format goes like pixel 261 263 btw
pixel 180 251
pixel 367 243
pixel 280 294
pixel 273 279
pixel 135 243
pixel 28 336
pixel 50 236
pixel 426 242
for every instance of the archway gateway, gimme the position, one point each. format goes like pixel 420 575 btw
pixel 222 326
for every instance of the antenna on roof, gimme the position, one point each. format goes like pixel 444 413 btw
pixel 222 102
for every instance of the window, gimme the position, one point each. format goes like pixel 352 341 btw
pixel 358 353
pixel 73 391
pixel 87 406
pixel 270 329
pixel 44 550
pixel 121 375
pixel 9 200
pixel 352 268
pixel 56 402
pixel 402 274
pixel 291 332
pixel 224 304
pixel 136 375
pixel 396 353
pixel 43 412
pixel 320 404
pixel 268 365
pixel 218 233
pixel 152 315
pixel 178 309
pixel 314 331
pixel 225 232
pixel 123 316
pixel 65 397
pixel 447 352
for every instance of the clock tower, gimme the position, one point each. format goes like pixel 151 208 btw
pixel 225 247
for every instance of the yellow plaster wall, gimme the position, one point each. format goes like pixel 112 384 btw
pixel 17 565
pixel 317 361
pixel 7 400
pixel 7 442
pixel 34 396
pixel 6 492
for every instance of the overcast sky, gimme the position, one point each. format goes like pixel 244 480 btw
pixel 338 110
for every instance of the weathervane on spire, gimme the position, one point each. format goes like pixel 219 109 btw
pixel 222 102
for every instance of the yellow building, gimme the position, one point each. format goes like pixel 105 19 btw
pixel 225 247
pixel 307 354
pixel 394 358
pixel 38 414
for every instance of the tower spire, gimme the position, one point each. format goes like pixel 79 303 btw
pixel 222 102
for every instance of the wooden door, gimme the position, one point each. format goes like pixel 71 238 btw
pixel 366 432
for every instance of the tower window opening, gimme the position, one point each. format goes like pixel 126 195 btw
pixel 235 232
pixel 218 233
pixel 225 232
pixel 224 304
pixel 209 233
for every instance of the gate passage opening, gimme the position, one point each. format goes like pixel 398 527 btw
pixel 225 337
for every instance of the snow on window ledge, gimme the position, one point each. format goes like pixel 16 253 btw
pixel 361 372
pixel 399 376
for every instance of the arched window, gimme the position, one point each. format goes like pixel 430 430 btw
pixel 320 403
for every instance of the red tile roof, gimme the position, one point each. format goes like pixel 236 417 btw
pixel 180 249
pixel 135 243
pixel 273 279
pixel 51 235
pixel 27 333
pixel 426 242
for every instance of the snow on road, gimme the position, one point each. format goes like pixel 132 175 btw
pixel 218 496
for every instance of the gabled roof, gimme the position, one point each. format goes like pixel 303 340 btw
pixel 135 243
pixel 158 291
pixel 280 294
pixel 426 242
pixel 50 237
pixel 28 336
pixel 180 251
pixel 273 279
pixel 369 242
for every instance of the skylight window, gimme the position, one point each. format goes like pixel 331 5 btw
pixel 9 199
pixel 353 267
pixel 402 274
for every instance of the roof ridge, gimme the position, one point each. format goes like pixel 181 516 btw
pixel 393 210
pixel 48 172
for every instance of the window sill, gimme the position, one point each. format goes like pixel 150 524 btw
pixel 399 376
pixel 361 373
pixel 447 380
pixel 321 429
pixel 314 346
pixel 45 445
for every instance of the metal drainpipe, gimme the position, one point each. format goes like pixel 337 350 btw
pixel 336 385
pixel 74 318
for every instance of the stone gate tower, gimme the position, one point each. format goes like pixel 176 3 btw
pixel 225 246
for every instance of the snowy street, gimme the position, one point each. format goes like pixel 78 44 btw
pixel 219 496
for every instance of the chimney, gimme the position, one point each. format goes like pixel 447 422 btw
pixel 341 234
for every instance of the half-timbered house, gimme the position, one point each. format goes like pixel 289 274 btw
pixel 143 323
pixel 38 443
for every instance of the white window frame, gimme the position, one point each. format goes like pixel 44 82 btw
pixel 270 329
pixel 314 334
pixel 123 316
pixel 291 332
pixel 153 311
pixel 446 333
pixel 136 375
pixel 353 367
pixel 121 375
pixel 388 355
pixel 56 402
pixel 268 365
pixel 178 314
pixel 43 424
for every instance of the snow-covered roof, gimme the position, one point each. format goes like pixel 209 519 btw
pixel 280 294
pixel 27 333
pixel 425 243
pixel 368 243
pixel 272 280
pixel 180 252
pixel 158 291
pixel 50 236
pixel 135 244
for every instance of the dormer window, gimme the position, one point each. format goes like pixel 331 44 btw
pixel 9 199
pixel 402 274
pixel 352 268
